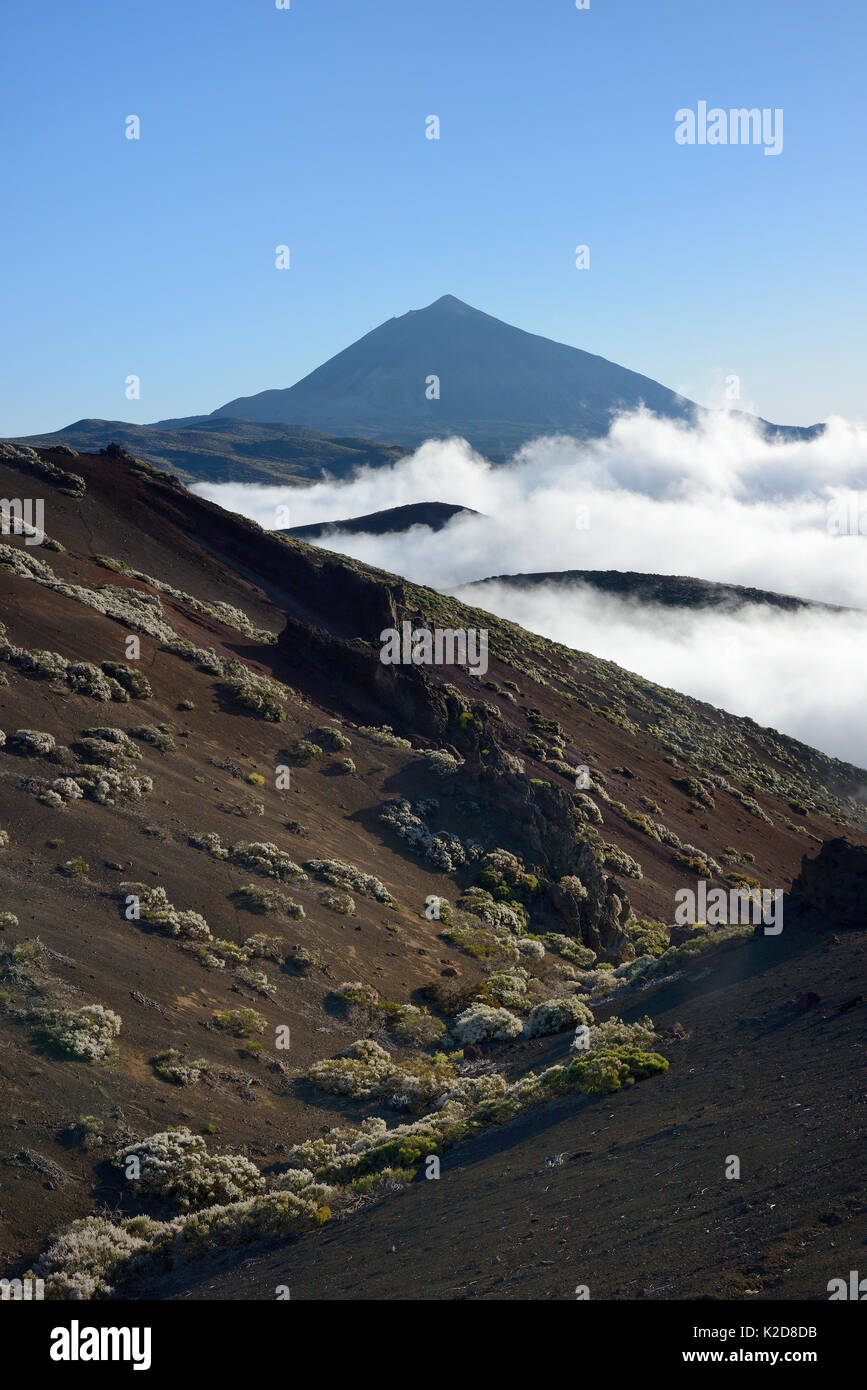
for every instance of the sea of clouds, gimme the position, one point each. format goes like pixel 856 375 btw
pixel 715 500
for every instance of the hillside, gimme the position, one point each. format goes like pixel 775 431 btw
pixel 390 521
pixel 203 450
pixel 498 386
pixel 155 864
pixel 661 590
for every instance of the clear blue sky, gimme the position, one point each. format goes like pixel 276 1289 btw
pixel 306 127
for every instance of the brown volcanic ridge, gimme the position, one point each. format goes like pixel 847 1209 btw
pixel 173 914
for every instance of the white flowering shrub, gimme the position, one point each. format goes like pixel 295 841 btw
pixel 481 1022
pixel 86 1033
pixel 507 988
pixel 106 785
pixel 224 612
pixel 83 1262
pixel 134 683
pixel 268 859
pixel 530 948
pixel 210 843
pixel 157 911
pixel 7 920
pixel 32 742
pixel 384 736
pixel 341 903
pixel 254 694
pixel 615 1033
pixel 587 809
pixel 554 1015
pixel 442 763
pixel 341 874
pixel 444 850
pixel 334 740
pixel 175 1166
pixel 366 1071
pixel 172 1066
pixel 510 917
pixel 571 949
pixel 255 979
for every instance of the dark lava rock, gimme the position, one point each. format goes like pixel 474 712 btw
pixel 834 884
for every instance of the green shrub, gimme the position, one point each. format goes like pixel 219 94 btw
pixel 241 1023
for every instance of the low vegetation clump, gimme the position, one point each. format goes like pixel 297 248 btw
pixel 570 949
pixel 506 989
pixel 73 867
pixel 443 763
pixel 695 790
pixel 407 1024
pixel 32 743
pixel 135 683
pixel 304 751
pixel 176 1166
pixel 695 862
pixel 263 900
pixel 8 920
pixel 555 1015
pixel 259 856
pixel 483 1022
pixel 253 695
pixel 300 959
pixel 267 859
pixel 504 876
pixel 531 948
pixel 241 1023
pixel 608 1071
pixel 586 809
pixel 155 909
pixel 87 1033
pixel 341 874
pixel 384 736
pixel 334 740
pixel 160 737
pixel 341 903
pixel 503 916
pixel 367 1071
pixel 256 980
pixel 470 935
pixel 107 745
pixel 172 1066
pixel 619 862
pixel 649 938
pixel 442 848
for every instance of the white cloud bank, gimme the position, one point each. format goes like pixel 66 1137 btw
pixel 715 501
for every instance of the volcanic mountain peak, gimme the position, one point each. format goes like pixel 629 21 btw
pixel 451 369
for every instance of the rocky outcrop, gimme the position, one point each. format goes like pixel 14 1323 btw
pixel 834 884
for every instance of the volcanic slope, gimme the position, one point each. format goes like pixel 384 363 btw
pixel 175 909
